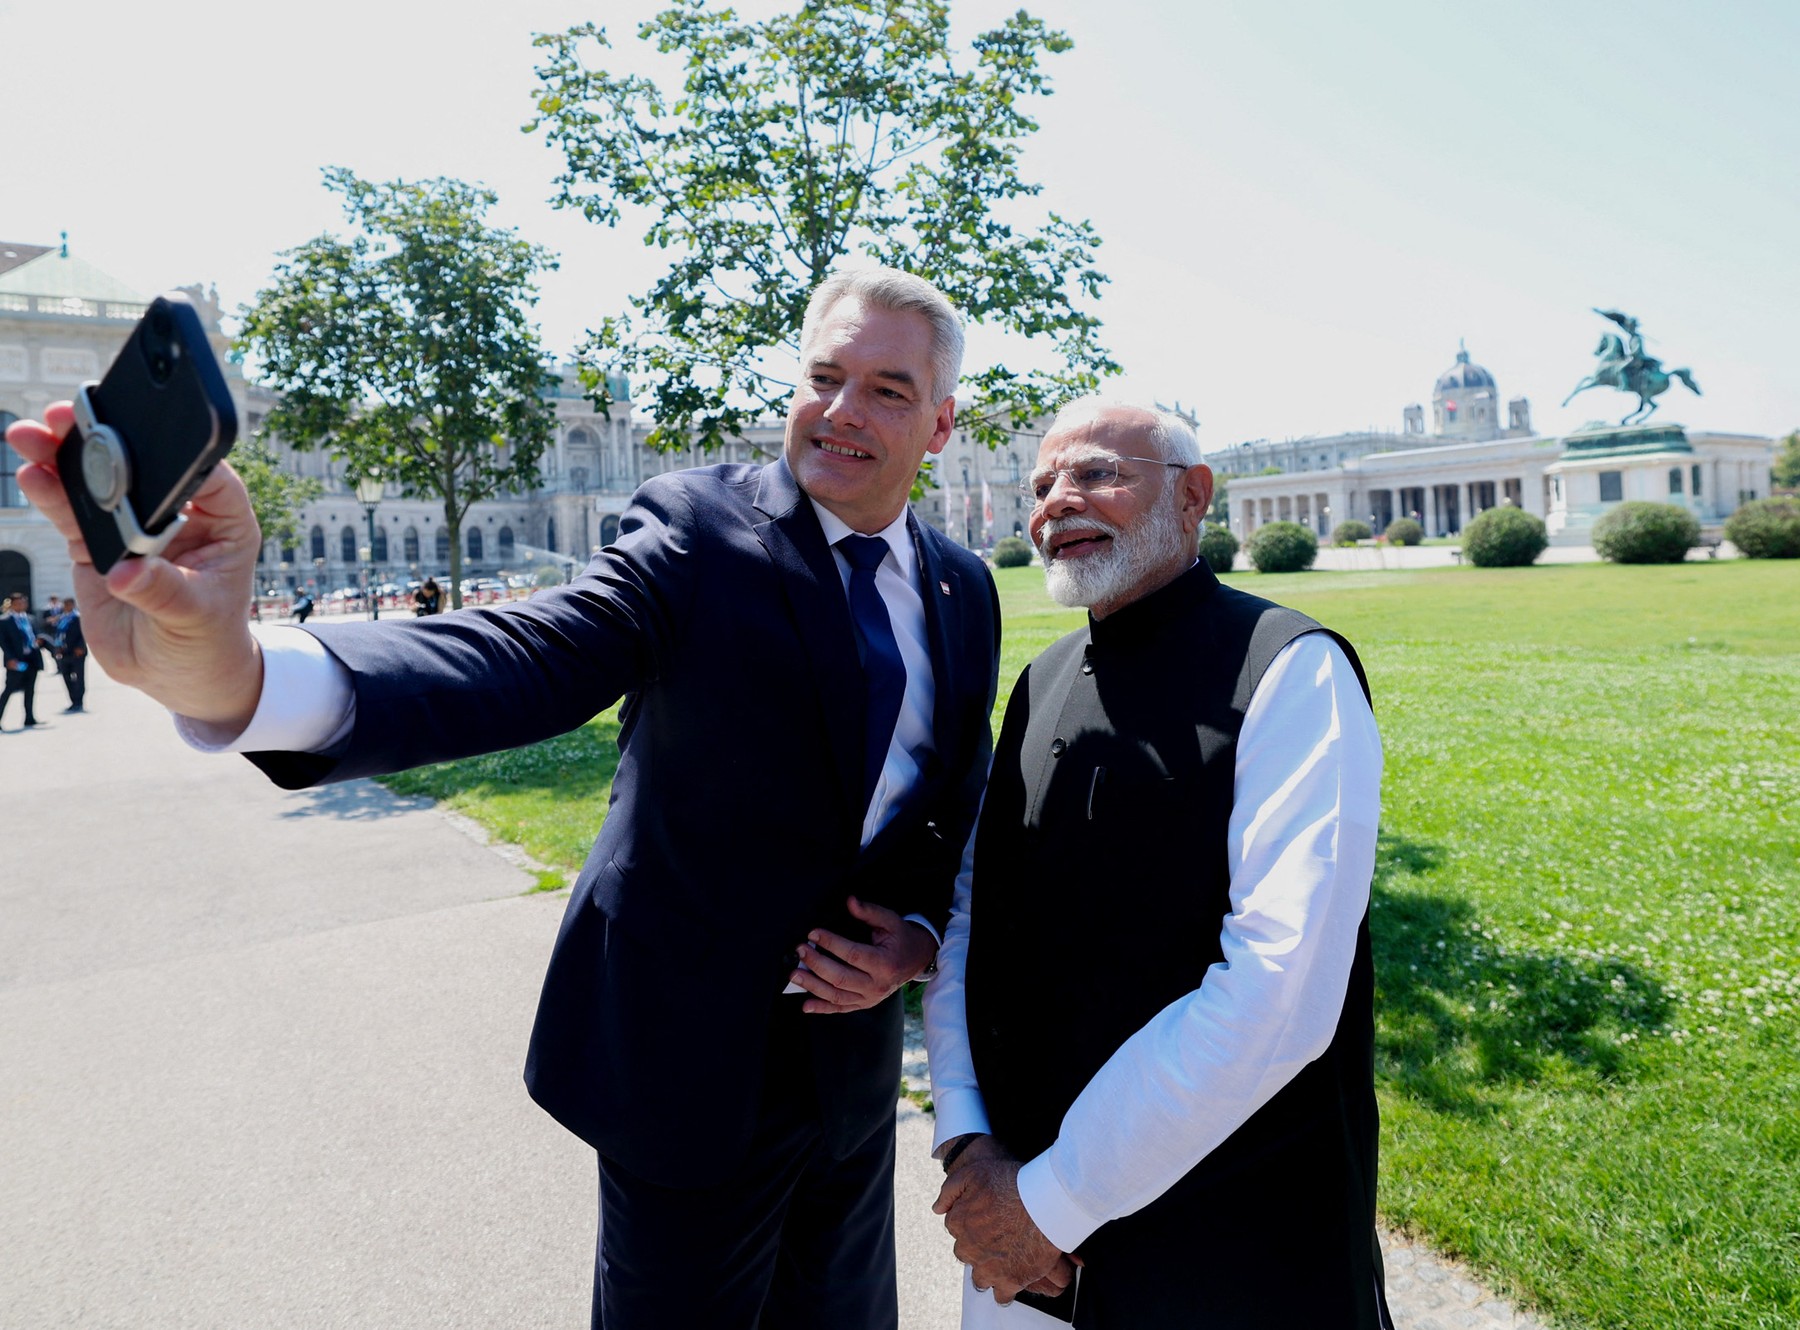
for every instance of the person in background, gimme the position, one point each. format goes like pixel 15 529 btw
pixel 20 655
pixel 69 646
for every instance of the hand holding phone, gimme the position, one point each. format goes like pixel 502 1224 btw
pixel 171 622
pixel 147 435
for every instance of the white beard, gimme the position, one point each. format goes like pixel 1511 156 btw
pixel 1109 577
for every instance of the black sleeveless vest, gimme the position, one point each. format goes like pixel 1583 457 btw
pixel 1102 877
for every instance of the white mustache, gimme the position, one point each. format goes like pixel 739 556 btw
pixel 1056 526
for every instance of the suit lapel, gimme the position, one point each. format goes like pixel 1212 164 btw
pixel 809 578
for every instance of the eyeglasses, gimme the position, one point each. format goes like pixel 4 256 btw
pixel 1090 477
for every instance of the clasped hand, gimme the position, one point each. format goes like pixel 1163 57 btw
pixel 845 976
pixel 995 1236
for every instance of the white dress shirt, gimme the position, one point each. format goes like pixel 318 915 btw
pixel 1301 846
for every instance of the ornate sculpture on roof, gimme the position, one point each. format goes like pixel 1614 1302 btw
pixel 1625 365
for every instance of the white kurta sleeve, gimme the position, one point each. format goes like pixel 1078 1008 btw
pixel 955 1096
pixel 1306 800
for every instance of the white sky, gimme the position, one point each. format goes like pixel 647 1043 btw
pixel 1304 205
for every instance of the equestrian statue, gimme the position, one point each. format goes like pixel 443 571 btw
pixel 1623 365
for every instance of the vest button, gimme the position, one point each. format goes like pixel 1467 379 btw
pixel 1087 667
pixel 1056 747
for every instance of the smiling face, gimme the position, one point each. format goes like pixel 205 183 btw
pixel 863 417
pixel 1110 546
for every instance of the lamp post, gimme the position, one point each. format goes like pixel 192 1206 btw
pixel 368 493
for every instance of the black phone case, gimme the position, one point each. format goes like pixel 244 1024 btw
pixel 175 427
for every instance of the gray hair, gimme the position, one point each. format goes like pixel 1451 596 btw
pixel 889 288
pixel 1174 437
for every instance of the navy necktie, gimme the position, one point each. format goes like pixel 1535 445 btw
pixel 883 669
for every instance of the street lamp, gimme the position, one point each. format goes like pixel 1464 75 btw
pixel 368 493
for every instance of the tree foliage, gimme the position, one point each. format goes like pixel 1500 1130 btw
pixel 1786 471
pixel 276 494
pixel 406 350
pixel 848 131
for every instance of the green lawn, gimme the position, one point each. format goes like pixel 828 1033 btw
pixel 1587 917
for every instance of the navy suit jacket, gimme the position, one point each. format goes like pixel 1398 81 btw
pixel 18 643
pixel 736 815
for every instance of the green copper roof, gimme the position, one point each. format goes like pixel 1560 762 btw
pixel 1623 440
pixel 51 274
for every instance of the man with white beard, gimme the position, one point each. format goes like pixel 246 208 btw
pixel 1152 1048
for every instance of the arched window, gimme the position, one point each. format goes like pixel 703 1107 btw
pixel 1674 480
pixel 550 535
pixel 442 548
pixel 474 544
pixel 318 542
pixel 287 553
pixel 347 544
pixel 15 574
pixel 505 552
pixel 380 552
pixel 410 543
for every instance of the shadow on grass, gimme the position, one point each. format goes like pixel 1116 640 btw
pixel 1458 1015
pixel 577 765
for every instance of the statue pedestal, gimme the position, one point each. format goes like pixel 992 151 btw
pixel 1604 465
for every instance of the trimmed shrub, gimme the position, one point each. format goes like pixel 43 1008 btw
pixel 1504 537
pixel 1404 531
pixel 1641 532
pixel 1282 547
pixel 1218 547
pixel 1766 529
pixel 547 575
pixel 1348 533
pixel 1012 552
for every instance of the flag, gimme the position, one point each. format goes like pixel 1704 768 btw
pixel 987 507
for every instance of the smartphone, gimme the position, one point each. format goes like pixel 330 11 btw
pixel 147 434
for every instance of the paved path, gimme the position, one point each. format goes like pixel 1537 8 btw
pixel 260 1061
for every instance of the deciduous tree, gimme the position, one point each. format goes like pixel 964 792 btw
pixel 849 130
pixel 407 349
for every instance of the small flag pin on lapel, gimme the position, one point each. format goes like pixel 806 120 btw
pixel 944 587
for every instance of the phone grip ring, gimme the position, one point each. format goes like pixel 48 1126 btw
pixel 106 471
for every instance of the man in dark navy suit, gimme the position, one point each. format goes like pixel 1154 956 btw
pixel 807 674
pixel 20 655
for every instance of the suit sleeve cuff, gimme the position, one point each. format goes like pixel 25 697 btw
pixel 957 1112
pixel 1056 1213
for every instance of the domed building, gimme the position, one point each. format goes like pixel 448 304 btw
pixel 1465 403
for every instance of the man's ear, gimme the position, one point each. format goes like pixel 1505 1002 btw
pixel 946 422
pixel 1195 490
